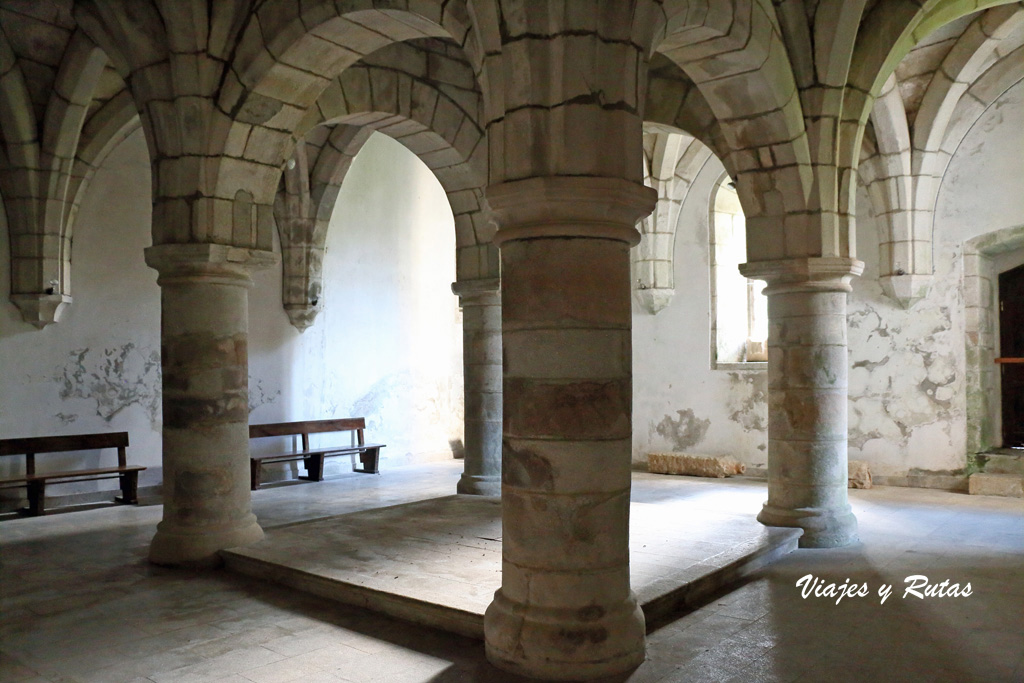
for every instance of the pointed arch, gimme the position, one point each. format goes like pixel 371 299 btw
pixel 38 177
pixel 672 160
pixel 429 118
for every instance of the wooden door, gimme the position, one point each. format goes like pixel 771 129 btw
pixel 1011 350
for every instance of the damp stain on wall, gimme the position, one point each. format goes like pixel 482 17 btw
pixel 114 378
pixel 748 400
pixel 259 395
pixel 684 431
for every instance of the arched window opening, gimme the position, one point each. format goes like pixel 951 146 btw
pixel 739 331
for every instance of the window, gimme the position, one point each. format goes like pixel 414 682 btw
pixel 739 330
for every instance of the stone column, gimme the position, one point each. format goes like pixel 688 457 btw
pixel 481 367
pixel 565 609
pixel 807 397
pixel 204 335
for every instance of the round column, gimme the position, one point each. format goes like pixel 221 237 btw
pixel 204 357
pixel 807 397
pixel 481 367
pixel 565 610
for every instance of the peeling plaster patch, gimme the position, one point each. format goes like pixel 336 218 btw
pixel 748 400
pixel 685 432
pixel 114 378
pixel 906 380
pixel 258 396
pixel 66 419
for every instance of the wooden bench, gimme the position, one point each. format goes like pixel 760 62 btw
pixel 36 482
pixel 313 458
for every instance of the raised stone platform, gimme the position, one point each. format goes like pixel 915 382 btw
pixel 438 562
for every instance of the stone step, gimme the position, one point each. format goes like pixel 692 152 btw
pixel 442 570
pixel 986 484
pixel 1002 461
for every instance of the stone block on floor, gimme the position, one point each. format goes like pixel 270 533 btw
pixel 859 476
pixel 1008 485
pixel 694 464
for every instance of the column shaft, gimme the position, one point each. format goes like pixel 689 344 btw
pixel 204 357
pixel 807 398
pixel 565 609
pixel 481 365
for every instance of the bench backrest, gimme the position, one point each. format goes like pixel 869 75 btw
pixel 30 446
pixel 307 427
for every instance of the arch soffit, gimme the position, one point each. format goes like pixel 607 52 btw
pixel 735 54
pixel 424 119
pixel 970 56
pixel 885 36
pixel 274 82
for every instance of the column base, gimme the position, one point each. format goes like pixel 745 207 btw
pixel 564 644
pixel 198 547
pixel 823 527
pixel 479 485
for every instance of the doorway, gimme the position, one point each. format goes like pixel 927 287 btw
pixel 1011 361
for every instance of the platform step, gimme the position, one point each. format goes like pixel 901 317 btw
pixel 438 562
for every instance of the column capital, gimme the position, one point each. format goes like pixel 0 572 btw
pixel 208 262
pixel 570 206
pixel 477 291
pixel 822 274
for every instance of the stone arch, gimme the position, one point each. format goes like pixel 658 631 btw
pixel 887 33
pixel 1002 76
pixel 885 170
pixel 39 178
pixel 905 174
pixel 104 130
pixel 672 161
pixel 441 129
pixel 735 55
pixel 674 102
pixel 972 54
pixel 282 64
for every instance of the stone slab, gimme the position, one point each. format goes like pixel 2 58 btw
pixel 438 562
pixel 1009 485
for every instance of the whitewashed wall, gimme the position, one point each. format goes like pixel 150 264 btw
pixel 907 367
pixel 388 345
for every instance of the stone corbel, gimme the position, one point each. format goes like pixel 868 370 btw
pixel 906 288
pixel 41 309
pixel 654 299
pixel 302 316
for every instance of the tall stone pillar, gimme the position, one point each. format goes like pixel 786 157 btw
pixel 204 335
pixel 481 366
pixel 807 397
pixel 565 609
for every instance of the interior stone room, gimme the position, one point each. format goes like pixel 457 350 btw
pixel 531 243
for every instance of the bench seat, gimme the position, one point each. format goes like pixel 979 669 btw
pixel 313 458
pixel 35 482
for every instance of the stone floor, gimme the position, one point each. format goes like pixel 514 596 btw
pixel 442 570
pixel 78 602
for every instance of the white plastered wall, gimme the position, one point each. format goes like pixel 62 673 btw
pixel 387 346
pixel 908 403
pixel 98 369
pixel 679 402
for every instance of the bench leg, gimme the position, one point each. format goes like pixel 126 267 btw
pixel 369 461
pixel 129 489
pixel 36 497
pixel 255 470
pixel 314 467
